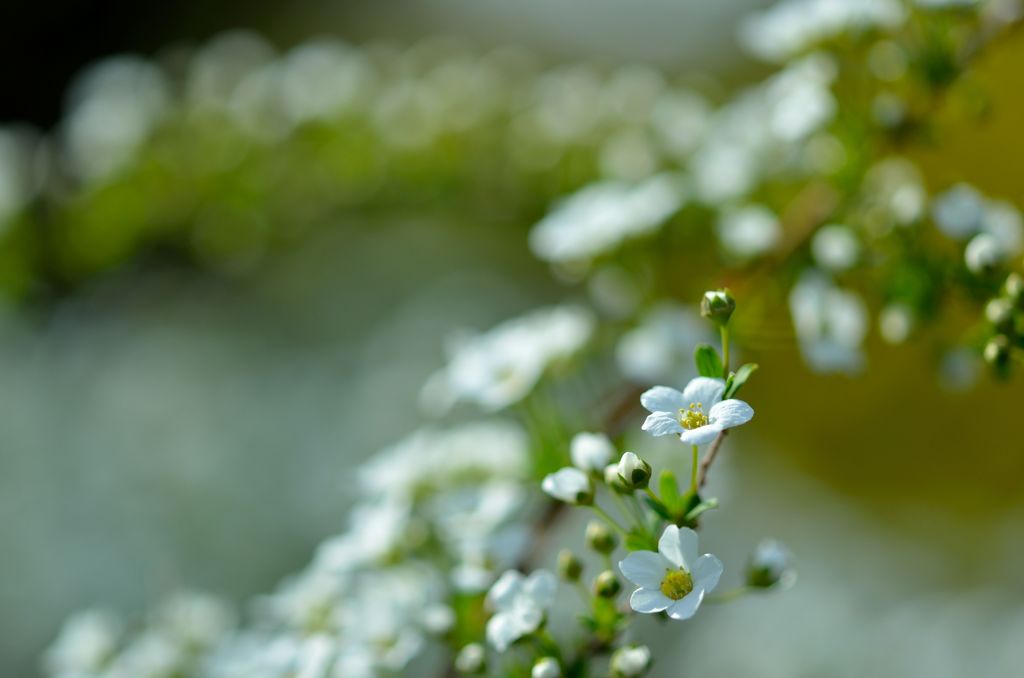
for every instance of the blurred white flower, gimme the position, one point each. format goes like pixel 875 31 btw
pixel 674 579
pixel 601 216
pixel 697 415
pixel 835 247
pixel 87 640
pixel 896 322
pixel 630 661
pixel 546 667
pixel 748 231
pixel 984 253
pixel 959 211
pixel 830 324
pixel 771 565
pixel 500 367
pixel 471 658
pixel 591 452
pixel 520 605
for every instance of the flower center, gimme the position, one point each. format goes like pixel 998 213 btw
pixel 676 584
pixel 693 417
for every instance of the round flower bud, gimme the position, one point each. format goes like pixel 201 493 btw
pixel 631 661
pixel 591 452
pixel 999 312
pixel 546 667
pixel 569 566
pixel 471 659
pixel 717 306
pixel 606 585
pixel 997 352
pixel 1014 287
pixel 438 619
pixel 771 565
pixel 600 537
pixel 614 481
pixel 570 485
pixel 634 471
pixel 983 254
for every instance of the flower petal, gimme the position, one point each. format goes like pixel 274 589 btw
pixel 663 399
pixel 702 435
pixel 662 424
pixel 540 587
pixel 703 390
pixel 649 601
pixel 505 590
pixel 678 545
pixel 502 631
pixel 729 413
pixel 644 568
pixel 706 572
pixel 686 607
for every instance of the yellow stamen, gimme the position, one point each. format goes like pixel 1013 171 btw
pixel 693 417
pixel 676 584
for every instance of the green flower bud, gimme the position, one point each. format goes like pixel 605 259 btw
pixel 569 566
pixel 997 353
pixel 770 566
pixel 634 471
pixel 717 306
pixel 606 585
pixel 472 659
pixel 631 661
pixel 999 312
pixel 600 537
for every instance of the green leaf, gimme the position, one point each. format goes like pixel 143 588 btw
pixel 709 364
pixel 669 490
pixel 658 507
pixel 637 540
pixel 700 508
pixel 736 380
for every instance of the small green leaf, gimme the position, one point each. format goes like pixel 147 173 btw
pixel 736 381
pixel 700 508
pixel 669 490
pixel 636 540
pixel 658 507
pixel 709 364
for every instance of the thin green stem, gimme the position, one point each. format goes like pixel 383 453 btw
pixel 650 493
pixel 693 471
pixel 611 521
pixel 725 351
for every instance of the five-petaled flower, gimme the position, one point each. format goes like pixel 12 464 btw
pixel 520 604
pixel 697 415
pixel 674 579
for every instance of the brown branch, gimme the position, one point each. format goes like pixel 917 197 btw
pixel 709 458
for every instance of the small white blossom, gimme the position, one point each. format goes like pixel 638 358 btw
pixel 500 367
pixel 591 452
pixel 546 667
pixel 983 253
pixel 830 324
pixel 895 323
pixel 959 211
pixel 633 470
pixel 471 658
pixel 771 565
pixel 86 641
pixel 697 415
pixel 835 247
pixel 631 661
pixel 520 604
pixel 570 485
pixel 674 579
pixel 660 348
pixel 749 231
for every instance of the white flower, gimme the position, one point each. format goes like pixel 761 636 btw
pixel 570 485
pixel 520 604
pixel 500 367
pixel 591 451
pixel 749 231
pixel 674 579
pixel 983 253
pixel 835 247
pixel 830 324
pixel 771 565
pixel 598 218
pixel 471 658
pixel 697 415
pixel 896 322
pixel 87 640
pixel 959 211
pixel 660 348
pixel 631 661
pixel 546 667
pixel 634 471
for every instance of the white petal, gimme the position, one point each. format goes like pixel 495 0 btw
pixel 702 435
pixel 686 607
pixel 591 451
pixel 644 568
pixel 649 601
pixel 505 590
pixel 706 572
pixel 663 399
pixel 729 413
pixel 678 545
pixel 703 390
pixel 662 424
pixel 540 587
pixel 502 631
